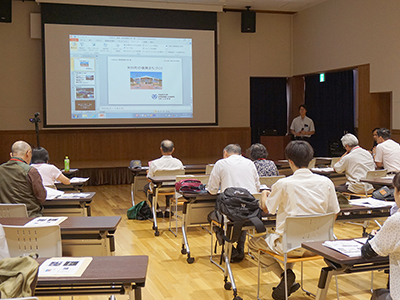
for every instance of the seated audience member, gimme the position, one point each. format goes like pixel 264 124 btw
pixel 258 154
pixel 165 162
pixel 387 153
pixel 384 243
pixel 375 137
pixel 20 182
pixel 356 162
pixel 234 170
pixel 49 173
pixel 303 193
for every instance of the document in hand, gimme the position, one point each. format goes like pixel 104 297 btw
pixel 52 193
pixel 64 266
pixel 78 179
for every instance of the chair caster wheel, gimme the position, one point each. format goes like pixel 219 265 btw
pixel 227 286
pixel 237 298
pixel 157 233
pixel 190 260
pixel 183 251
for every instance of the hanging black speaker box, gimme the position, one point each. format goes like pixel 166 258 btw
pixel 248 21
pixel 5 11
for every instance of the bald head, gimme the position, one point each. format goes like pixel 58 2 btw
pixel 22 150
pixel 167 147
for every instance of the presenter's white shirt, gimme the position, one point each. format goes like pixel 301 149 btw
pixel 165 162
pixel 234 171
pixel 387 242
pixel 299 124
pixel 356 164
pixel 303 193
pixel 49 173
pixel 388 153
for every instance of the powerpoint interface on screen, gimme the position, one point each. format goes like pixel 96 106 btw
pixel 130 77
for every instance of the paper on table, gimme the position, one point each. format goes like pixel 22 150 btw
pixel 74 196
pixel 44 221
pixel 78 179
pixel 52 193
pixel 350 248
pixel 361 240
pixel 328 169
pixel 371 202
pixel 64 266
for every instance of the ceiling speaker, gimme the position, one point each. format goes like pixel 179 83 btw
pixel 5 11
pixel 248 21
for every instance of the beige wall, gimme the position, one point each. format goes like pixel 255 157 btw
pixel 21 69
pixel 240 55
pixel 344 33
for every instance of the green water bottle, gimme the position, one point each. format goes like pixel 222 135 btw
pixel 66 164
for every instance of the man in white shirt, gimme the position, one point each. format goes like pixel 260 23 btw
pixel 387 152
pixel 165 162
pixel 356 162
pixel 302 127
pixel 303 193
pixel 234 170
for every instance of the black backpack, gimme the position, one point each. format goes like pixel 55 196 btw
pixel 239 205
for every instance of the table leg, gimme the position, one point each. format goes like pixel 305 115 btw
pixel 154 207
pixel 323 283
pixel 133 188
pixel 185 243
pixel 138 294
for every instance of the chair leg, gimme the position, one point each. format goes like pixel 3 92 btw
pixel 372 282
pixel 337 288
pixel 302 282
pixel 259 276
pixel 285 276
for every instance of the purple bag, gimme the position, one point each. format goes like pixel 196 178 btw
pixel 190 186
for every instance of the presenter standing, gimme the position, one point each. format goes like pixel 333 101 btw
pixel 302 127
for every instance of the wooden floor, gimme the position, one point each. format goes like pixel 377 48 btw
pixel 169 276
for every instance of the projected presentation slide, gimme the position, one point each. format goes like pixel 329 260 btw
pixel 130 77
pixel 144 81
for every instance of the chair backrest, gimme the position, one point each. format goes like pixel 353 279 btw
pixel 270 180
pixel 202 178
pixel 257 196
pixel 376 173
pixel 302 229
pixel 4 252
pixel 43 240
pixel 312 163
pixel 169 172
pixel 13 210
pixel 209 167
pixel 334 161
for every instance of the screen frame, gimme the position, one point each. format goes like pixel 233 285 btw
pixel 127 17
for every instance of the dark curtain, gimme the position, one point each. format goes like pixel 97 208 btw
pixel 330 105
pixel 268 107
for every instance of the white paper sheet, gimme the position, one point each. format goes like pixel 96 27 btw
pixel 64 266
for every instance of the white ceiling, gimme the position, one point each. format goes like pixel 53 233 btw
pixel 283 6
pixel 275 5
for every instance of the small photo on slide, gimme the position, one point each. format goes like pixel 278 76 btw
pixel 84 93
pixel 146 80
